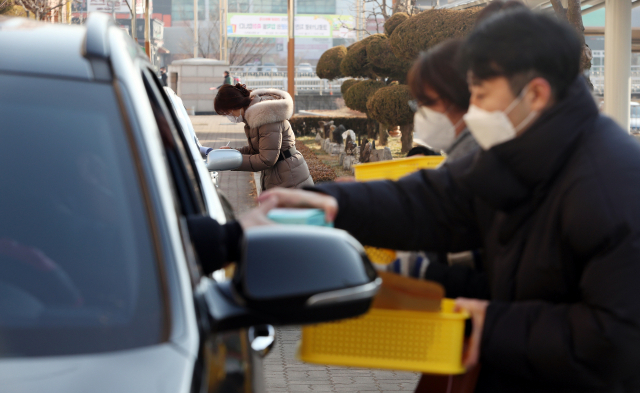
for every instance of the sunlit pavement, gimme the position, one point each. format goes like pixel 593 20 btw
pixel 283 372
pixel 215 132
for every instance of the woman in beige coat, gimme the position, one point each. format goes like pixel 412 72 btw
pixel 271 149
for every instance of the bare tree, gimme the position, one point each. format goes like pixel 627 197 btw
pixel 241 49
pixel 573 15
pixel 244 49
pixel 381 10
pixel 41 8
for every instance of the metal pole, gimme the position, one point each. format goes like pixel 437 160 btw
pixel 363 19
pixel 195 28
pixel 134 18
pixel 226 38
pixel 220 16
pixel 617 51
pixel 147 28
pixel 358 24
pixel 291 52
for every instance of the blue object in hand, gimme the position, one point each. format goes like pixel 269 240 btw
pixel 299 217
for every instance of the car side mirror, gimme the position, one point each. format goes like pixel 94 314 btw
pixel 223 160
pixel 295 275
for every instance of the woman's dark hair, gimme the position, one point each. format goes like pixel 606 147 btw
pixel 231 97
pixel 437 69
pixel 421 150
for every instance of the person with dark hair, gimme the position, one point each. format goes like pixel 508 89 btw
pixel 499 5
pixel 442 94
pixel 227 81
pixel 163 76
pixel 552 198
pixel 421 151
pixel 271 141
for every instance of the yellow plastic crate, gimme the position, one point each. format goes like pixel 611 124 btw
pixel 428 342
pixel 395 169
pixel 381 256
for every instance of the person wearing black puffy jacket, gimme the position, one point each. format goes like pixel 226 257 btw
pixel 553 198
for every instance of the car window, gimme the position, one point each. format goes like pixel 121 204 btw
pixel 183 172
pixel 78 272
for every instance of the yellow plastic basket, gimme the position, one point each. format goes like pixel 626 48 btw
pixel 428 342
pixel 381 256
pixel 395 169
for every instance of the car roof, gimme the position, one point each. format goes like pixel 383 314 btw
pixel 54 49
pixel 31 47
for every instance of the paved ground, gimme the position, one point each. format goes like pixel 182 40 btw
pixel 283 372
pixel 216 131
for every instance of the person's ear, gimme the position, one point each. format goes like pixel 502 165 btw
pixel 541 93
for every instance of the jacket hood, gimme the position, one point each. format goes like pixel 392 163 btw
pixel 268 106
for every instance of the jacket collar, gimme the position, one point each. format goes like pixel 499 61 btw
pixel 513 172
pixel 261 112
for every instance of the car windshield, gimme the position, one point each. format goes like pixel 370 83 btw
pixel 77 266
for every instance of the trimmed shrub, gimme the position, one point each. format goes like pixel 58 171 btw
pixel 395 21
pixel 329 64
pixel 382 58
pixel 428 29
pixel 390 106
pixel 358 94
pixel 355 62
pixel 347 84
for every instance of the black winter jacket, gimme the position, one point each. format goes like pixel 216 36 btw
pixel 557 211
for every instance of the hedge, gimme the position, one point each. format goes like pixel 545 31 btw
pixel 358 94
pixel 390 106
pixel 428 29
pixel 380 55
pixel 303 125
pixel 395 21
pixel 347 84
pixel 329 64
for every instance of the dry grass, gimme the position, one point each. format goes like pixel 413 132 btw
pixel 332 161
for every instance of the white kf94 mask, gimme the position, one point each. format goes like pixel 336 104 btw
pixel 493 128
pixel 433 129
pixel 235 119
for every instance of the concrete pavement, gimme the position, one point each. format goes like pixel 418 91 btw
pixel 283 372
pixel 215 132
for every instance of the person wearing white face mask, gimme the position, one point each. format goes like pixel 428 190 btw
pixel 552 198
pixel 442 94
pixel 271 142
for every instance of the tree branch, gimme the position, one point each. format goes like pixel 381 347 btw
pixel 559 9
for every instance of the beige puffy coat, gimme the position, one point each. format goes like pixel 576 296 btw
pixel 269 133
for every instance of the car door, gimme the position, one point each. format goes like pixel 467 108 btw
pixel 225 363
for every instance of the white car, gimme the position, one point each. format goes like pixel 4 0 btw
pixel 185 121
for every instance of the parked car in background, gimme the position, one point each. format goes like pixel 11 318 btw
pixel 101 289
pixel 304 68
pixel 269 67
